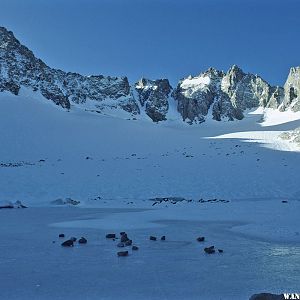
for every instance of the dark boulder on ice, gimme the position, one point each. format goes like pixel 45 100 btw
pixel 68 243
pixel 210 250
pixel 61 235
pixel 123 253
pixel 152 238
pixel 128 243
pixel 267 296
pixel 74 239
pixel 124 238
pixel 201 239
pixel 111 236
pixel 82 240
pixel 135 248
pixel 220 250
pixel 120 245
pixel 163 238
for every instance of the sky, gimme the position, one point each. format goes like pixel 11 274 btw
pixel 159 38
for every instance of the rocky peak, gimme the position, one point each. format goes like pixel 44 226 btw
pixel 153 95
pixel 223 95
pixel 292 91
pixel 20 68
pixel 194 95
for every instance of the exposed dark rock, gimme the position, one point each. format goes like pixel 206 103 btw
pixel 152 238
pixel 68 243
pixel 123 253
pixel 135 248
pixel 128 243
pixel 61 235
pixel 201 239
pixel 220 251
pixel 163 238
pixel 82 240
pixel 124 238
pixel 210 250
pixel 110 236
pixel 74 239
pixel 121 245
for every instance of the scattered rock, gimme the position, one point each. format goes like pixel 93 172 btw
pixel 210 250
pixel 61 235
pixel 68 243
pixel 82 240
pixel 121 245
pixel 284 201
pixel 17 204
pixel 163 238
pixel 135 248
pixel 124 238
pixel 153 238
pixel 66 201
pixel 74 239
pixel 123 253
pixel 111 236
pixel 220 250
pixel 201 239
pixel 128 243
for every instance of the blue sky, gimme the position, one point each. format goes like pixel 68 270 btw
pixel 159 38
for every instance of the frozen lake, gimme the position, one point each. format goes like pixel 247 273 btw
pixel 33 267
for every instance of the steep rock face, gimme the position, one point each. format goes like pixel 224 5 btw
pixel 292 91
pixel 213 93
pixel 194 95
pixel 19 67
pixel 153 95
pixel 227 95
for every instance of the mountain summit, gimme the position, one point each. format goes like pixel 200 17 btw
pixel 213 93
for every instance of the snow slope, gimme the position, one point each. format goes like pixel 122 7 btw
pixel 138 159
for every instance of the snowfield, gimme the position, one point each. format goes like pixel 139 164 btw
pixel 113 166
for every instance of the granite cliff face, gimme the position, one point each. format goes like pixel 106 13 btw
pixel 20 68
pixel 228 95
pixel 292 91
pixel 153 96
pixel 211 94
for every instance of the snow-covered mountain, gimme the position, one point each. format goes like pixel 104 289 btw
pixel 212 94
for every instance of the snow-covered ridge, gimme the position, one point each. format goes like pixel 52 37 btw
pixel 212 94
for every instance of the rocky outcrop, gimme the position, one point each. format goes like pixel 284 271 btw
pixel 227 95
pixel 19 67
pixel 292 91
pixel 195 95
pixel 211 94
pixel 292 136
pixel 153 96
